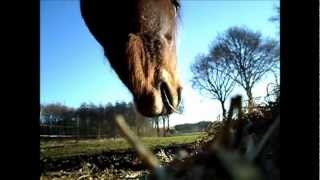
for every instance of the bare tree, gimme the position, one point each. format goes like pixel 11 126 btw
pixel 210 77
pixel 276 18
pixel 248 57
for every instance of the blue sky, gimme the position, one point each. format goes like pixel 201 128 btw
pixel 73 69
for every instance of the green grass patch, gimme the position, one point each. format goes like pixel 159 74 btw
pixel 67 148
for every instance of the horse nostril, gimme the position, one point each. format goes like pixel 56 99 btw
pixel 168 37
pixel 166 97
pixel 179 95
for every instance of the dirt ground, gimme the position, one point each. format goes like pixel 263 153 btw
pixel 111 165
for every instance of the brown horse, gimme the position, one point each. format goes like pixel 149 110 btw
pixel 139 40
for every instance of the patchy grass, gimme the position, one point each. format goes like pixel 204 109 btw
pixel 67 148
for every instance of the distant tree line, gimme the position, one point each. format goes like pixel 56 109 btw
pixel 90 120
pixel 192 127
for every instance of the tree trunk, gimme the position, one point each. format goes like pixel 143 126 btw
pixel 99 129
pixel 168 127
pixel 87 127
pixel 78 127
pixel 157 126
pixel 164 126
pixel 250 101
pixel 223 110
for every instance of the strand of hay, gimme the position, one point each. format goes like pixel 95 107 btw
pixel 146 156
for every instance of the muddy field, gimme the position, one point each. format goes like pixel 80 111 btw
pixel 123 164
pixel 216 155
pixel 109 158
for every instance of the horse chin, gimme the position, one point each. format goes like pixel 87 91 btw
pixel 150 105
pixel 157 103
